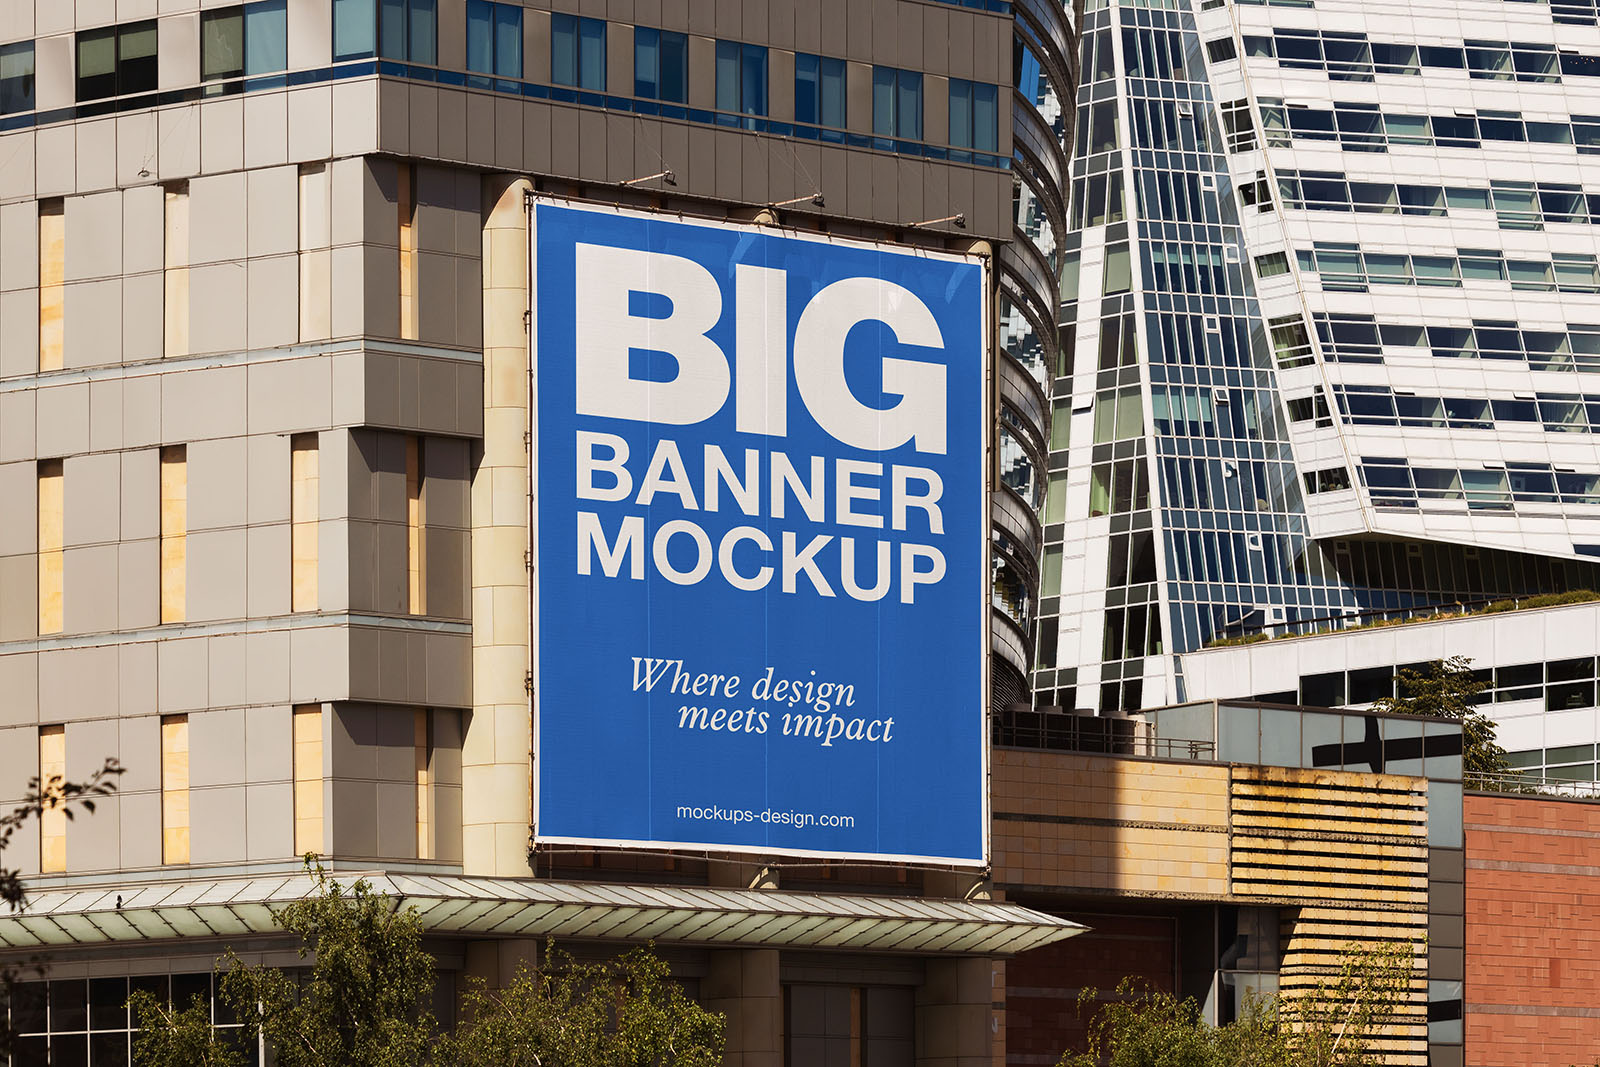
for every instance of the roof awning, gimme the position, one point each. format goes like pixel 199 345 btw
pixel 525 908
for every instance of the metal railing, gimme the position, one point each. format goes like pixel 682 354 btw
pixel 1532 784
pixel 1246 627
pixel 1064 731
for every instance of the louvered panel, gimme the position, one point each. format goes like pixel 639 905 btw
pixel 1284 817
pixel 1347 854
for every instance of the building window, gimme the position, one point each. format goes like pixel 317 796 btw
pixel 660 65
pixel 1221 50
pixel 408 30
pixel 52 284
pixel 406 206
pixel 175 279
pixel 578 52
pixel 174 531
pixel 86 1020
pixel 1118 276
pixel 741 82
pixel 316 234
pixel 416 532
pixel 1290 342
pixel 974 115
pixel 1332 480
pixel 53 819
pixel 305 487
pixel 1100 133
pixel 1237 125
pixel 1272 264
pixel 243 41
pixel 819 91
pixel 355 29
pixel 308 829
pixel 175 789
pixel 52 530
pixel 394 29
pixel 422 744
pixel 494 38
pixel 897 103
pixel 117 60
pixel 16 78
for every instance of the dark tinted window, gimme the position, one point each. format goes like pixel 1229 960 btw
pixel 16 77
pixel 1322 690
pixel 117 60
pixel 1373 683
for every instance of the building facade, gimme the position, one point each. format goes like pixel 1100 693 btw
pixel 1326 316
pixel 1532 950
pixel 264 465
pixel 1221 850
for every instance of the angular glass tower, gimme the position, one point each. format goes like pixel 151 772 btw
pixel 1327 345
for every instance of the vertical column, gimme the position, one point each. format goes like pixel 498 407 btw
pixel 497 784
pixel 743 985
pixel 955 1009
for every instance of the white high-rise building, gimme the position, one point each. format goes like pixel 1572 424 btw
pixel 1330 360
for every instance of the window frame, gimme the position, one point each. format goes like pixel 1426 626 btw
pixel 823 70
pixel 118 75
pixel 890 123
pixel 577 29
pixel 660 42
pixel 495 10
pixel 246 14
pixel 409 49
pixel 743 111
pixel 969 135
pixel 27 93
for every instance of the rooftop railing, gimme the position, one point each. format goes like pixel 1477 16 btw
pixel 1532 784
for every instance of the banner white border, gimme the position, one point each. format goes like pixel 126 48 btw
pixel 982 595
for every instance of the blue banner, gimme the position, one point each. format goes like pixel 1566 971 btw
pixel 761 566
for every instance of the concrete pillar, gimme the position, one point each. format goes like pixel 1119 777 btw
pixel 496 754
pixel 955 1014
pixel 742 984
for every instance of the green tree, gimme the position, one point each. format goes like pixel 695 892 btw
pixel 1447 691
pixel 1332 1023
pixel 173 1035
pixel 1335 1022
pixel 362 1003
pixel 1148 1027
pixel 53 793
pixel 626 1012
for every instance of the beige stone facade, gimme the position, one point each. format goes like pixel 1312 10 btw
pixel 264 459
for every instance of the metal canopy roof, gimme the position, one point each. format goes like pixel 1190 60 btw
pixel 504 907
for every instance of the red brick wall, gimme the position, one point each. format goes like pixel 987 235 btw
pixel 1042 986
pixel 1533 931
